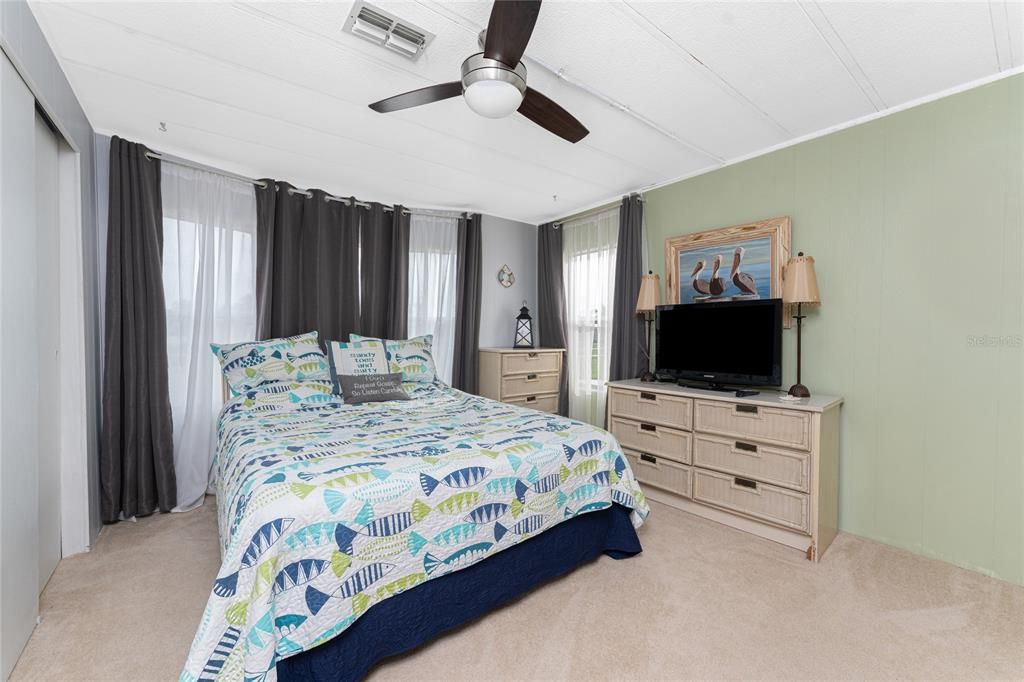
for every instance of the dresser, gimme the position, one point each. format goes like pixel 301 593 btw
pixel 528 377
pixel 760 464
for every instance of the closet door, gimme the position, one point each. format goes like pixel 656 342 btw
pixel 48 336
pixel 19 372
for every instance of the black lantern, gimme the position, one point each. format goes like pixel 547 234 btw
pixel 524 328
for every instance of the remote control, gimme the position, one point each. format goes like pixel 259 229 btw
pixel 742 393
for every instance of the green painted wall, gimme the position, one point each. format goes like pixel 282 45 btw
pixel 915 224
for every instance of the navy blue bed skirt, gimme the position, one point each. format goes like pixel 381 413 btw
pixel 407 620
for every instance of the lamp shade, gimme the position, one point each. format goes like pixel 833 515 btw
pixel 650 293
pixel 800 284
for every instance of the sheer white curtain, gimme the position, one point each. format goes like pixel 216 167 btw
pixel 209 273
pixel 588 261
pixel 433 252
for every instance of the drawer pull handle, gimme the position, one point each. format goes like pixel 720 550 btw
pixel 531 355
pixel 648 458
pixel 648 427
pixel 745 483
pixel 746 447
pixel 531 398
pixel 531 377
pixel 749 409
pixel 648 396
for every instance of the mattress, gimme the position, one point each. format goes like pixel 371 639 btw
pixel 326 510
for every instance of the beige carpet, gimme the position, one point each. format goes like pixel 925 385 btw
pixel 702 601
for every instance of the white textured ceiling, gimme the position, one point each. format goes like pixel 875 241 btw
pixel 278 90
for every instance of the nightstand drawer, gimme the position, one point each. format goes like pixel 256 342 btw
pixel 659 472
pixel 544 403
pixel 759 500
pixel 528 384
pixel 531 362
pixel 647 406
pixel 790 428
pixel 788 468
pixel 657 440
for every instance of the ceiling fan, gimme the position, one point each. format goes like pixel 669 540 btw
pixel 494 81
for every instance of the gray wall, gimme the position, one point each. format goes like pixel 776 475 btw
pixel 23 43
pixel 515 244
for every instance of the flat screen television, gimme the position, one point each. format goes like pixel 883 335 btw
pixel 731 342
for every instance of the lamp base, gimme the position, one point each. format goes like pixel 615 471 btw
pixel 648 377
pixel 799 391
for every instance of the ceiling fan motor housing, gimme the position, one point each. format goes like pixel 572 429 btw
pixel 490 87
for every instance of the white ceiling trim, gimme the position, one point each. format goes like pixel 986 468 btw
pixel 998 13
pixel 835 43
pixel 691 60
pixel 806 138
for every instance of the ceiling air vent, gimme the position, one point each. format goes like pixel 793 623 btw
pixel 385 29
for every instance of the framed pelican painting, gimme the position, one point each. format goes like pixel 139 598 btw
pixel 734 263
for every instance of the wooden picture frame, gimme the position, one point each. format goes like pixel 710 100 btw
pixel 770 238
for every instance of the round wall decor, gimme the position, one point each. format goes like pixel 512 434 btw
pixel 506 277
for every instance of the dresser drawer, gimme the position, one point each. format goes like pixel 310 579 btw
pixel 659 472
pixel 759 500
pixel 652 438
pixel 528 384
pixel 647 406
pixel 790 428
pixel 529 362
pixel 544 403
pixel 788 468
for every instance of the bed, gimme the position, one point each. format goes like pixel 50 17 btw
pixel 346 529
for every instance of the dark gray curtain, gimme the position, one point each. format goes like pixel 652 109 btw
pixel 307 250
pixel 466 362
pixel 552 331
pixel 628 350
pixel 385 272
pixel 136 437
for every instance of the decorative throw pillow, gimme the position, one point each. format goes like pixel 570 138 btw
pixel 356 358
pixel 251 363
pixel 371 388
pixel 412 357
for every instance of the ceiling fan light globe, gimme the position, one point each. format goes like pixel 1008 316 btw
pixel 493 98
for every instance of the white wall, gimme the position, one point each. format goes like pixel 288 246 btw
pixel 515 244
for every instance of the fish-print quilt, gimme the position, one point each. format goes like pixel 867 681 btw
pixel 326 509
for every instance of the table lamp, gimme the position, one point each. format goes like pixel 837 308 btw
pixel 800 286
pixel 646 302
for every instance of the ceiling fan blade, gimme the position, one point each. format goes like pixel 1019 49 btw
pixel 414 98
pixel 545 113
pixel 509 30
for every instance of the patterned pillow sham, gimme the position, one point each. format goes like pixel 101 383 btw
pixel 414 357
pixel 356 358
pixel 251 363
pixel 294 393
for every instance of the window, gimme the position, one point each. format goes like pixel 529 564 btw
pixel 209 274
pixel 433 252
pixel 588 261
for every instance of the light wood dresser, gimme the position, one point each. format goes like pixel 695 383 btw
pixel 760 464
pixel 528 377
